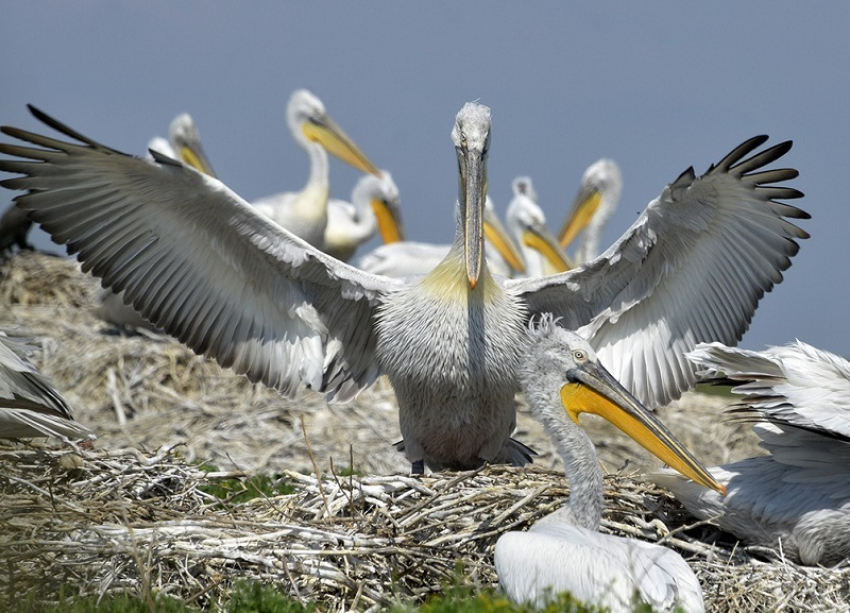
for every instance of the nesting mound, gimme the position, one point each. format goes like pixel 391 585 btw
pixel 134 512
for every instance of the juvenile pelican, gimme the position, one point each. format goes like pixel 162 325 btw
pixel 594 205
pixel 29 405
pixel 797 498
pixel 234 286
pixel 564 552
pixel 527 224
pixel 374 208
pixel 305 213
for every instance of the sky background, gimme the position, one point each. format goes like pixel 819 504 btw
pixel 656 86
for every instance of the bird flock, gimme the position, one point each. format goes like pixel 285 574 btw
pixel 270 289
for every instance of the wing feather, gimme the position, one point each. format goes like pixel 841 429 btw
pixel 692 268
pixel 197 261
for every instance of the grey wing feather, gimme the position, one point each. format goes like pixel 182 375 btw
pixel 692 268
pixel 198 262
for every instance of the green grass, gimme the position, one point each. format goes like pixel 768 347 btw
pixel 242 490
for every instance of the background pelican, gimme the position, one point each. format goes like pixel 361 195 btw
pixel 374 208
pixel 234 286
pixel 184 143
pixel 594 205
pixel 796 499
pixel 29 405
pixel 527 224
pixel 305 213
pixel 409 258
pixel 564 551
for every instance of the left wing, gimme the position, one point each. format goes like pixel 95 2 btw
pixel 692 268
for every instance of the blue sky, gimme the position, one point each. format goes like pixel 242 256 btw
pixel 656 86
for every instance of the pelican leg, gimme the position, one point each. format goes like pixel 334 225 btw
pixel 417 468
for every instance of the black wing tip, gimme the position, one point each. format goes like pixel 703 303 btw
pixel 161 158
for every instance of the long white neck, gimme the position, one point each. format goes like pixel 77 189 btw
pixel 581 465
pixel 319 180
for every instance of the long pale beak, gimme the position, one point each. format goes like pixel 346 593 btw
pixel 596 391
pixel 539 237
pixel 193 155
pixel 388 215
pixel 336 142
pixel 584 208
pixel 473 187
pixel 495 232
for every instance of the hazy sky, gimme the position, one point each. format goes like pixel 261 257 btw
pixel 657 86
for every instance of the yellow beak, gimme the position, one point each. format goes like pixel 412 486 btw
pixel 495 232
pixel 330 136
pixel 596 391
pixel 389 221
pixel 539 237
pixel 584 208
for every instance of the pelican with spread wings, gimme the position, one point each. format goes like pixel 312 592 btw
pixel 200 263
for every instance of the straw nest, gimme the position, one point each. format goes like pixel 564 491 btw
pixel 135 511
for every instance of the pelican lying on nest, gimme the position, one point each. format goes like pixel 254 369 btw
pixel 305 213
pixel 236 287
pixel 29 405
pixel 527 224
pixel 797 499
pixel 564 552
pixel 594 205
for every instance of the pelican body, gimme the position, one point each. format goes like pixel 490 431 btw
pixel 797 498
pixel 236 287
pixel 29 405
pixel 564 551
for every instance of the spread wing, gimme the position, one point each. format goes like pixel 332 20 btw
pixel 197 261
pixel 691 269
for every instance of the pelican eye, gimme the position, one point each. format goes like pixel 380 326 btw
pixel 579 355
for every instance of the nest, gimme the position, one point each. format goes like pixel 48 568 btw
pixel 135 512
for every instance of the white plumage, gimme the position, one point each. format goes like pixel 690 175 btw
pixel 564 552
pixel 234 286
pixel 797 498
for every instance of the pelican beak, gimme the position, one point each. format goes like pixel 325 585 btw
pixel 473 192
pixel 388 215
pixel 495 232
pixel 324 131
pixel 193 155
pixel 584 208
pixel 539 237
pixel 594 390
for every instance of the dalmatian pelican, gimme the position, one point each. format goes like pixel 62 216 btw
pixel 564 552
pixel 796 498
pixel 200 263
pixel 305 213
pixel 597 199
pixel 29 404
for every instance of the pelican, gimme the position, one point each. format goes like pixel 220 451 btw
pixel 374 208
pixel 797 498
pixel 564 552
pixel 234 286
pixel 305 213
pixel 408 258
pixel 594 205
pixel 527 224
pixel 29 405
pixel 184 143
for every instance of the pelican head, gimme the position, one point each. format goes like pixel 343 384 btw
pixel 381 192
pixel 597 198
pixel 587 387
pixel 186 141
pixel 471 136
pixel 527 222
pixel 310 123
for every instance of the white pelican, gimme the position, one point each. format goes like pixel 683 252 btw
pixel 29 405
pixel 374 208
pixel 184 143
pixel 594 205
pixel 409 258
pixel 564 552
pixel 527 224
pixel 305 213
pixel 234 286
pixel 797 498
